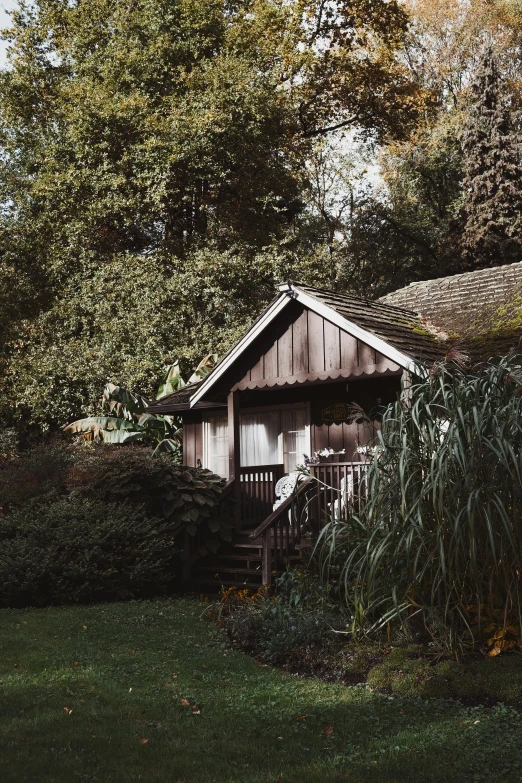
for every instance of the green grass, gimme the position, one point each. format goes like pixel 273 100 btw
pixel 113 667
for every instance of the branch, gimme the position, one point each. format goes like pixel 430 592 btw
pixel 324 131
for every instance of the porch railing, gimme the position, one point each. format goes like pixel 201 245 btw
pixel 342 489
pixel 280 534
pixel 258 485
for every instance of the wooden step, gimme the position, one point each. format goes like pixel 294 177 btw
pixel 223 583
pixel 221 570
pixel 223 556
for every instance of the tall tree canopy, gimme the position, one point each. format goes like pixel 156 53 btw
pixel 152 138
pixel 493 173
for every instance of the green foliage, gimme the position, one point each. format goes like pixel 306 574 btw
pixel 294 627
pixel 34 473
pixel 406 672
pixel 184 499
pixel 440 537
pixel 151 171
pixel 493 170
pixel 73 550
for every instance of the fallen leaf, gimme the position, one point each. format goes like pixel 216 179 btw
pixel 327 731
pixel 196 710
pixel 68 710
pixel 143 741
pixel 185 702
pixel 84 627
pixel 173 676
pixel 302 717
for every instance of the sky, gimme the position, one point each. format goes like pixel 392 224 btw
pixel 5 6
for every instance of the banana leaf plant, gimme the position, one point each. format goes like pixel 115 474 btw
pixel 127 419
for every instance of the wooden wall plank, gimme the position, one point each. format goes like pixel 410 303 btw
pixel 350 442
pixel 284 354
pixel 332 346
pixel 189 444
pixel 300 344
pixel 198 442
pixel 270 364
pixel 319 437
pixel 335 437
pixel 348 351
pixel 256 373
pixel 366 354
pixel 315 342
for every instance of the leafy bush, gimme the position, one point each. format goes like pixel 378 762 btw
pixel 406 672
pixel 295 624
pixel 34 473
pixel 440 539
pixel 188 498
pixel 75 550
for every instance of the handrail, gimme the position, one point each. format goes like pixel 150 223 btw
pixel 227 488
pixel 260 468
pixel 285 505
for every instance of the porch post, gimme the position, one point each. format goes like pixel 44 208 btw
pixel 234 456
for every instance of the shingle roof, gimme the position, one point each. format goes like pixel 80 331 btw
pixel 180 397
pixel 399 327
pixel 481 310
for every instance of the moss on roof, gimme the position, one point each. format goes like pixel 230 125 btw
pixel 480 311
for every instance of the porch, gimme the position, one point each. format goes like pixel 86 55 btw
pixel 280 504
pixel 273 532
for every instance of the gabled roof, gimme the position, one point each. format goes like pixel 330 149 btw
pixel 399 327
pixel 397 334
pixel 480 310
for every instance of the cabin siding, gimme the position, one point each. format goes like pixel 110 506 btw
pixel 192 439
pixel 307 344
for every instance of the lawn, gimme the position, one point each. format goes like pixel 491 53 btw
pixel 100 694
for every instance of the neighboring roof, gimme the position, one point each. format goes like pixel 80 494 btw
pixel 171 401
pixel 480 310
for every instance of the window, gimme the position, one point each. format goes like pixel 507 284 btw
pixel 216 445
pixel 260 438
pixel 294 437
pixel 267 437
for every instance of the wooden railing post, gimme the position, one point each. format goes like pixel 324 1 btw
pixel 234 454
pixel 267 558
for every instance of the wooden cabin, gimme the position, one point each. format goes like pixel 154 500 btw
pixel 283 397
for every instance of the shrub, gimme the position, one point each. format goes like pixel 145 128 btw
pixel 75 550
pixel 294 625
pixel 188 498
pixel 406 672
pixel 440 537
pixel 33 473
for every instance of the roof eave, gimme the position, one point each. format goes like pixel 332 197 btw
pixel 289 292
pixel 268 316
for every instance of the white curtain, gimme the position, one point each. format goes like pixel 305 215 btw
pixel 216 445
pixel 260 438
pixel 293 425
pixel 267 438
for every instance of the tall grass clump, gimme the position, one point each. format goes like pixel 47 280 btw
pixel 439 542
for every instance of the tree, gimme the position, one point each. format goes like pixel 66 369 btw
pixel 152 165
pixel 492 205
